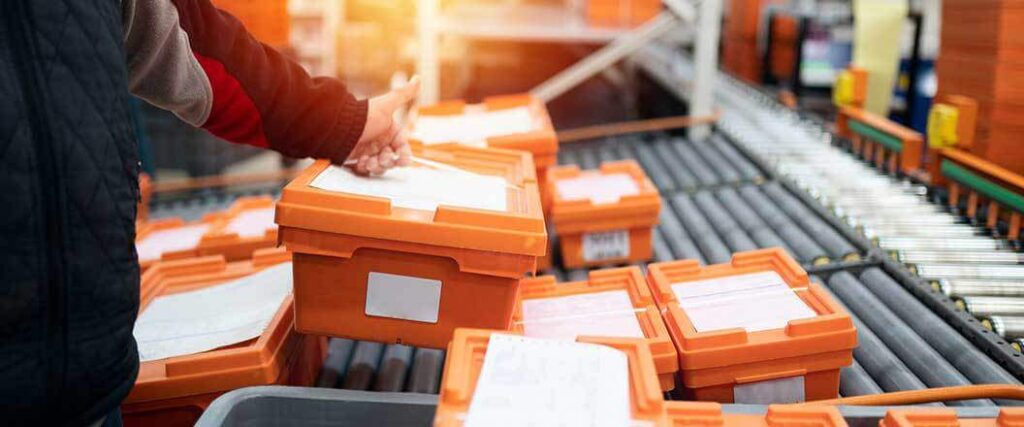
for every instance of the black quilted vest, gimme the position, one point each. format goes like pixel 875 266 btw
pixel 69 276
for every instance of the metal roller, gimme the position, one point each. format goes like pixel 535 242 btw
pixel 912 256
pixel 662 252
pixel 715 251
pixel 689 157
pixel 394 368
pixel 740 211
pixel 914 351
pixel 577 275
pixel 855 381
pixel 654 168
pixel 963 355
pixel 338 352
pixel 1009 327
pixel 711 246
pixel 606 153
pixel 804 248
pixel 747 170
pixel 426 371
pixel 766 238
pixel 676 237
pixel 966 271
pixel 836 245
pixel 873 231
pixel 764 207
pixel 869 220
pixel 975 287
pixel 568 157
pixel 363 366
pixel 721 219
pixel 991 306
pixel 588 159
pixel 887 370
pixel 685 180
pixel 739 241
pixel 726 172
pixel 934 243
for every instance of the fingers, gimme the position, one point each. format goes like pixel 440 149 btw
pixel 403 95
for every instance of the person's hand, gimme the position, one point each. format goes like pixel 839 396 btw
pixel 383 145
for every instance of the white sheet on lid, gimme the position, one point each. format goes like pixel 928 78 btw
pixel 600 314
pixel 473 127
pixel 536 382
pixel 755 302
pixel 253 222
pixel 421 188
pixel 599 189
pixel 157 243
pixel 204 319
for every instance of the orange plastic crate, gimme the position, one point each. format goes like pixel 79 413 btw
pixel 621 13
pixel 940 417
pixel 267 20
pixel 176 390
pixel 605 232
pixel 631 284
pixel 235 233
pixel 680 414
pixel 465 361
pixel 540 140
pixel 714 363
pixel 463 265
pixel 145 195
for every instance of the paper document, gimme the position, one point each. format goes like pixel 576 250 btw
pixel 205 319
pixel 599 189
pixel 601 314
pixel 755 302
pixel 421 188
pixel 536 382
pixel 157 243
pixel 472 128
pixel 253 223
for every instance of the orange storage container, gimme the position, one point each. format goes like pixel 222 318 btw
pixel 235 233
pixel 267 20
pixel 605 216
pixel 465 362
pixel 752 328
pixel 176 390
pixel 610 303
pixel 939 417
pixel 621 13
pixel 145 196
pixel 387 269
pixel 685 414
pixel 517 122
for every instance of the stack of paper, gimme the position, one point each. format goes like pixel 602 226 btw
pixel 601 314
pixel 420 188
pixel 599 189
pixel 472 128
pixel 205 319
pixel 157 243
pixel 754 302
pixel 532 382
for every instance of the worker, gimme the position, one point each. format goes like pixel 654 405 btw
pixel 69 168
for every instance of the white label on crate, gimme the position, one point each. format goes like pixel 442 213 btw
pixel 754 302
pixel 422 188
pixel 216 316
pixel 472 128
pixel 533 382
pixel 602 314
pixel 403 297
pixel 605 245
pixel 253 223
pixel 157 243
pixel 599 189
pixel 783 390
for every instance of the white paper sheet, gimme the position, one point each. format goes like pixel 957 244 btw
pixel 606 245
pixel 205 319
pixel 599 189
pixel 154 245
pixel 755 302
pixel 473 128
pixel 536 382
pixel 421 188
pixel 601 314
pixel 253 222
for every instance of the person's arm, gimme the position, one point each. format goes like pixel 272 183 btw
pixel 199 62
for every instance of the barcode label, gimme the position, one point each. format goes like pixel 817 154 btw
pixel 605 245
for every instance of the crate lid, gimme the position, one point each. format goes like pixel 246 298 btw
pixel 678 413
pixel 618 195
pixel 489 203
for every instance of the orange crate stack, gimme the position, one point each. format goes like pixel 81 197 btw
pixel 680 414
pixel 603 216
pixel 982 58
pixel 610 303
pixel 465 361
pixel 515 122
pixel 145 196
pixel 176 390
pixel 621 13
pixel 379 260
pixel 755 324
pixel 235 233
pixel 267 20
pixel 939 417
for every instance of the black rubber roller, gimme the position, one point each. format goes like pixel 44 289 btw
pixel 363 367
pixel 588 159
pixel 676 237
pixel 695 164
pixel 675 167
pixel 837 246
pixel 711 246
pixel 855 381
pixel 720 218
pixel 338 352
pixel 914 351
pixel 740 211
pixel 653 167
pixel 394 367
pixel 748 171
pixel 426 371
pixel 725 170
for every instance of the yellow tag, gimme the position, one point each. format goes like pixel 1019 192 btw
pixel 843 90
pixel 942 126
